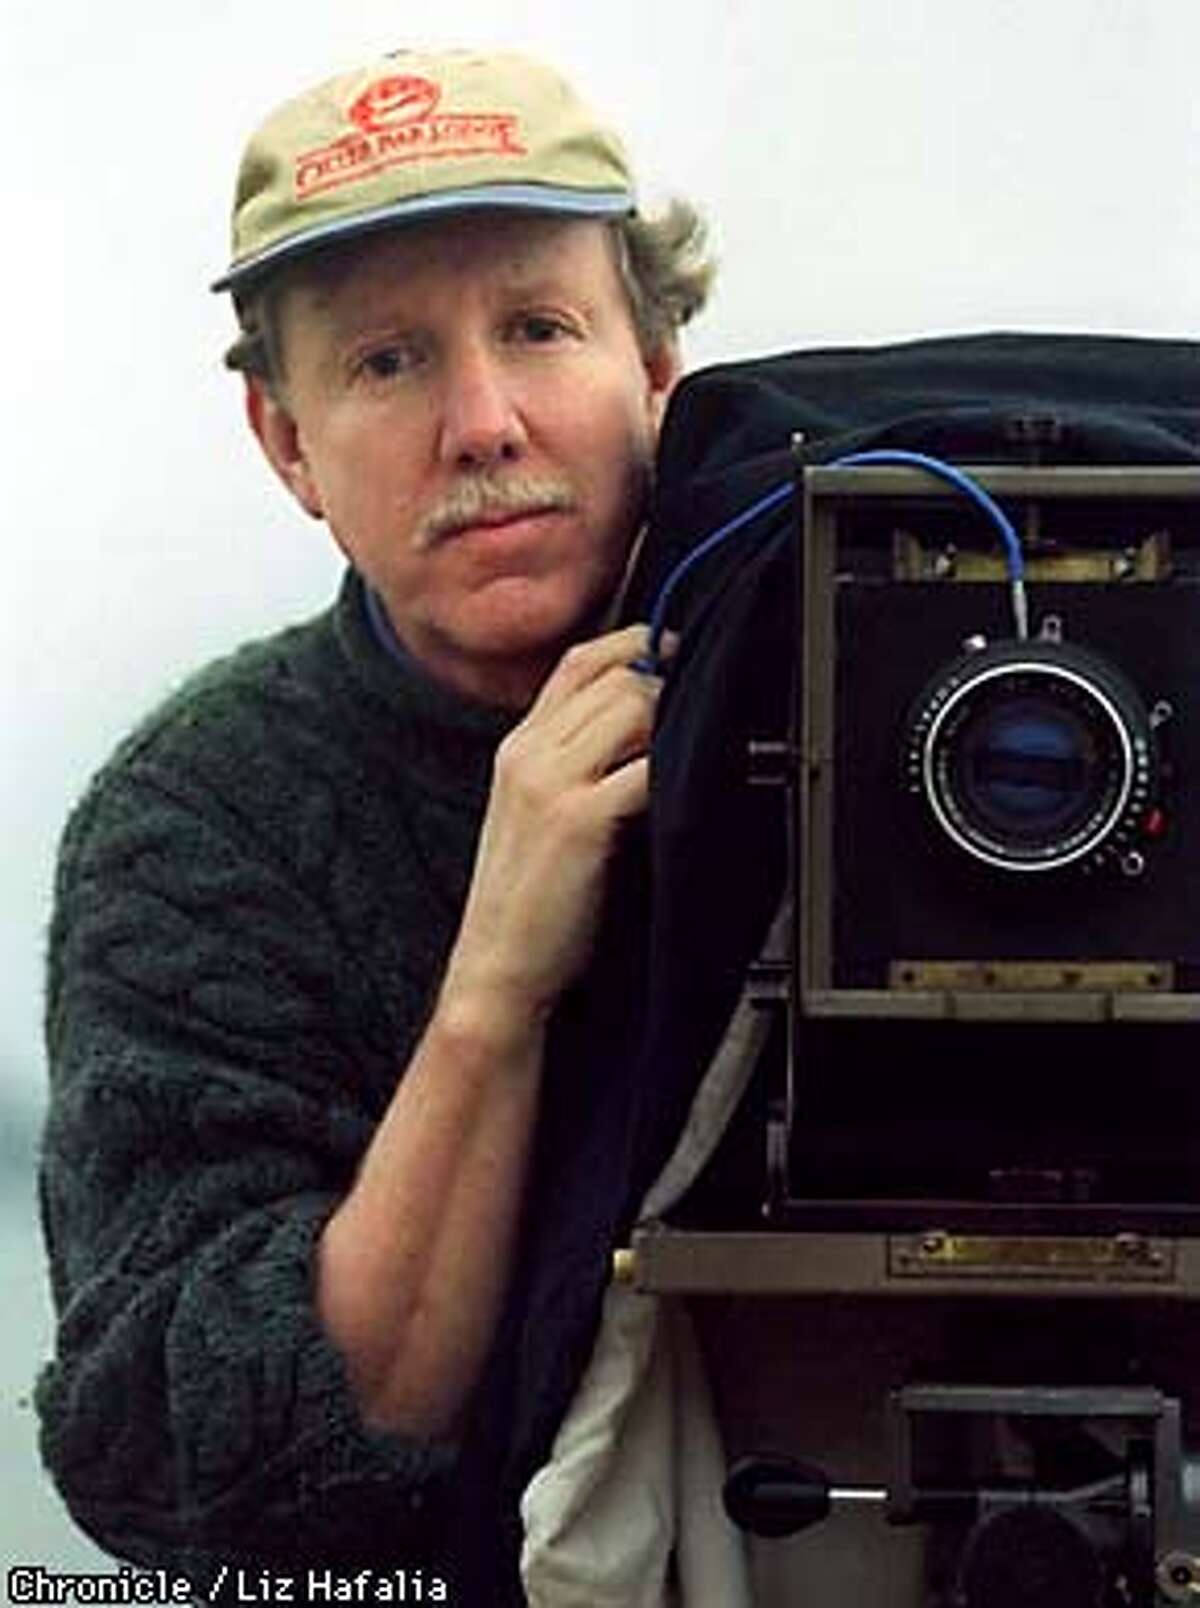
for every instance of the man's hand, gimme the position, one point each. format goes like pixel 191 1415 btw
pixel 565 779
pixel 414 1262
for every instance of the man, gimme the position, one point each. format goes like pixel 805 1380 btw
pixel 314 919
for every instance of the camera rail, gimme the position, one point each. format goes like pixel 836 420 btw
pixel 929 1261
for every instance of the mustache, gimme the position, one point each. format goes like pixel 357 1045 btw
pixel 491 497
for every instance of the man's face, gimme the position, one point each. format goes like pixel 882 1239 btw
pixel 468 407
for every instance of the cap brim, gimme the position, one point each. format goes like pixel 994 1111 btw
pixel 507 197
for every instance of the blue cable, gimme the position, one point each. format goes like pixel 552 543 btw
pixel 651 662
pixel 970 488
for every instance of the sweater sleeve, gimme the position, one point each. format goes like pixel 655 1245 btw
pixel 210 1101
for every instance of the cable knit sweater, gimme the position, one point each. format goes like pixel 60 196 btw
pixel 254 903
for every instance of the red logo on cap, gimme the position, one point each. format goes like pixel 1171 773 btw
pixel 397 121
pixel 392 101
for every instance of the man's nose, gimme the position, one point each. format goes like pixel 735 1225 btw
pixel 481 422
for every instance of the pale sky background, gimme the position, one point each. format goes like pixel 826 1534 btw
pixel 873 169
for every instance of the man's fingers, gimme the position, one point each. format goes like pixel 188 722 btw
pixel 607 719
pixel 587 661
pixel 565 780
pixel 626 790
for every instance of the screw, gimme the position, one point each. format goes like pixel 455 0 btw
pixel 1179 1576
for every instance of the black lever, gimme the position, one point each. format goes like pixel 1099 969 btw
pixel 773 1495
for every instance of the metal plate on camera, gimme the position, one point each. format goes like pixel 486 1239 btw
pixel 916 558
pixel 935 1253
pixel 1033 976
pixel 928 1263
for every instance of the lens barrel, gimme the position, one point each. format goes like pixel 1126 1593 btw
pixel 1033 757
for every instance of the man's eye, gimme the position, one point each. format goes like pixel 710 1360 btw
pixel 541 329
pixel 382 365
pixel 387 362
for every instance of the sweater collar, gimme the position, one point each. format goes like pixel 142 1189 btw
pixel 385 632
pixel 450 739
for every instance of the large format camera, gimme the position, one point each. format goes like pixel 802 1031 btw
pixel 997 830
pixel 986 1067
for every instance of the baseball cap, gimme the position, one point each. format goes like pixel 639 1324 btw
pixel 413 135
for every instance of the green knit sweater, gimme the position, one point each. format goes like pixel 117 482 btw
pixel 255 899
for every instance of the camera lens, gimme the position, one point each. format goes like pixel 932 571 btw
pixel 1031 757
pixel 1028 768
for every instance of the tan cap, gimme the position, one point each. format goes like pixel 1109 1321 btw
pixel 411 136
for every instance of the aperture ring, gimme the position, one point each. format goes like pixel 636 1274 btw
pixel 1032 758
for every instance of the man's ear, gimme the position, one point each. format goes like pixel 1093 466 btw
pixel 279 436
pixel 664 366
